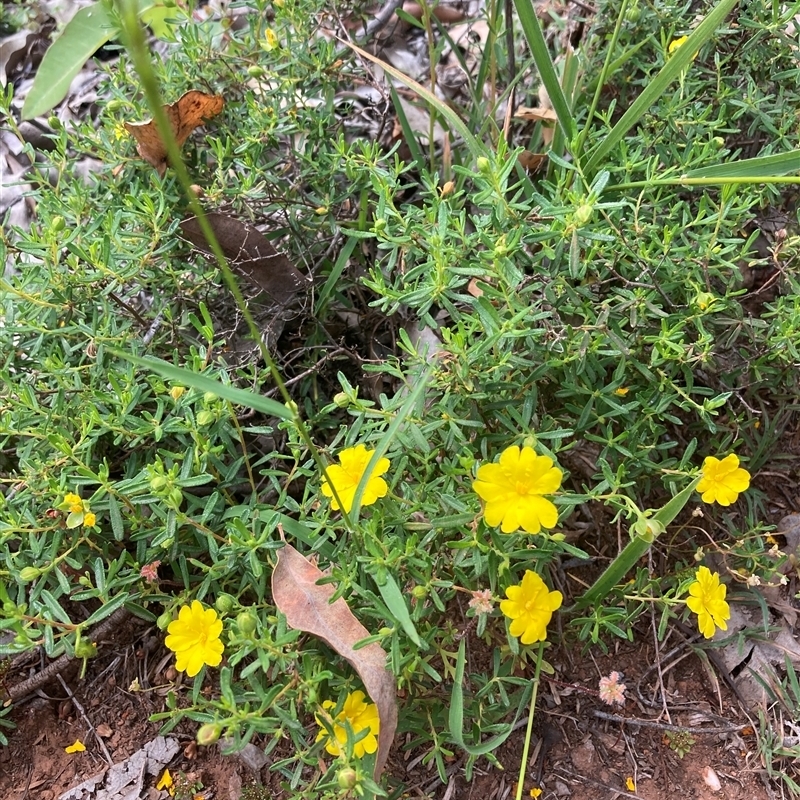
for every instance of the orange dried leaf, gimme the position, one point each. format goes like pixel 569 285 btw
pixel 307 607
pixel 185 114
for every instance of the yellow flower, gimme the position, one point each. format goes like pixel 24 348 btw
pixel 513 490
pixel 165 782
pixel 722 481
pixel 707 600
pixel 89 519
pixel 73 503
pixel 77 747
pixel 676 43
pixel 621 391
pixel 630 784
pixel 361 716
pixel 530 606
pixel 346 476
pixel 194 638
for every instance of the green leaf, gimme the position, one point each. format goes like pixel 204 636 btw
pixel 456 123
pixel 456 717
pixel 396 603
pixel 762 166
pixel 679 61
pixel 239 397
pixel 532 29
pixel 87 31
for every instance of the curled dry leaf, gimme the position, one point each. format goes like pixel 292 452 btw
pixel 185 114
pixel 307 607
pixel 250 254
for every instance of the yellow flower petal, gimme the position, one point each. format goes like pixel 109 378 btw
pixel 165 781
pixel 76 747
pixel 361 716
pixel 530 606
pixel 195 638
pixel 707 600
pixel 723 480
pixel 347 475
pixel 514 488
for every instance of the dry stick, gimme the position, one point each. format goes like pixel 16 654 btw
pixel 381 19
pixel 664 726
pixel 654 628
pixel 86 719
pixel 20 690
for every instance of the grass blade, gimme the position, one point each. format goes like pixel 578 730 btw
pixel 767 166
pixel 676 64
pixel 532 29
pixel 239 397
pixel 87 31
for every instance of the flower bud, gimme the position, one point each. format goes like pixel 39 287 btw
pixel 483 165
pixel 347 778
pixel 28 574
pixel 157 483
pixel 420 592
pixel 54 123
pixel 379 225
pixel 341 400
pixel 176 392
pixel 448 188
pixel 85 649
pixel 254 71
pixel 205 417
pixel 58 224
pixel 583 214
pixel 247 622
pixel 208 733
pixel 164 620
pixel 224 603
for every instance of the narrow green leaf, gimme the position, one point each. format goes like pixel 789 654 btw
pixel 115 517
pixel 87 31
pixel 679 61
pixel 766 166
pixel 456 716
pixel 532 29
pixel 396 603
pixel 107 609
pixel 456 123
pixel 240 397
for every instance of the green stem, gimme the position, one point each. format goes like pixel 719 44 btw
pixel 136 45
pixel 527 746
pixel 636 548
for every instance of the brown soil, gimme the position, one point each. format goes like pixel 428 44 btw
pixel 591 757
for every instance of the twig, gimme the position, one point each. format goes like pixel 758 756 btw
pixel 664 726
pixel 86 719
pixel 381 19
pixel 20 690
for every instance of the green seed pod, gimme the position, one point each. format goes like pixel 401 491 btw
pixel 347 778
pixel 208 734
pixel 224 603
pixel 164 620
pixel 247 622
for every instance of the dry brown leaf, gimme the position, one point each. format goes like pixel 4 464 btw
pixel 536 114
pixel 185 114
pixel 307 607
pixel 532 162
pixel 249 253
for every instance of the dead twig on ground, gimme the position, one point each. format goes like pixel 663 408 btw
pixel 24 688
pixel 80 710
